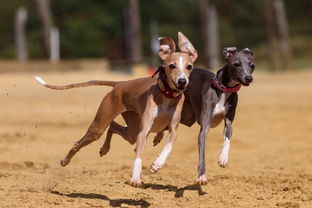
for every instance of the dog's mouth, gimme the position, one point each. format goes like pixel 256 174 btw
pixel 180 87
pixel 244 83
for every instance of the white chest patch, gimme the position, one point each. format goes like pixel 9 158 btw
pixel 220 108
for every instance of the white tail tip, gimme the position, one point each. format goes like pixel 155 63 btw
pixel 40 80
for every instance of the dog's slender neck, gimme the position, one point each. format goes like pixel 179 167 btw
pixel 223 81
pixel 223 75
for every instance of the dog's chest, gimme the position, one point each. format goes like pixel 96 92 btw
pixel 220 106
pixel 163 115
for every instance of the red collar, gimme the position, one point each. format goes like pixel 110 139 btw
pixel 166 90
pixel 221 87
pixel 163 85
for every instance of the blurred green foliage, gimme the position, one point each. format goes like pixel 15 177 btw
pixel 95 28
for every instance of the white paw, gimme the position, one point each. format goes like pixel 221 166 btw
pixel 135 182
pixel 156 166
pixel 201 180
pixel 223 160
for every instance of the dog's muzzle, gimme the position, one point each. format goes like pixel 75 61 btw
pixel 247 80
pixel 182 83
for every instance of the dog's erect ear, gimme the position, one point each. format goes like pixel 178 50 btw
pixel 229 52
pixel 187 47
pixel 166 47
pixel 247 51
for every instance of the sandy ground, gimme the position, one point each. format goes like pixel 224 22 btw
pixel 270 157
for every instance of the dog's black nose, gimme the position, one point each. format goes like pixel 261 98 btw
pixel 181 82
pixel 248 79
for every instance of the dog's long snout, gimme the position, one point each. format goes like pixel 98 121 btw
pixel 248 79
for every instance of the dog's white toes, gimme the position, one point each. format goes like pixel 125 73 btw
pixel 201 180
pixel 155 167
pixel 223 160
pixel 135 182
pixel 64 162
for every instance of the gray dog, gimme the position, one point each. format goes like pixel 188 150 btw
pixel 209 99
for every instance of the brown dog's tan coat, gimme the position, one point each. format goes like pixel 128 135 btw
pixel 141 97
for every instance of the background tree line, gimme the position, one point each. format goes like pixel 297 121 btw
pixel 97 28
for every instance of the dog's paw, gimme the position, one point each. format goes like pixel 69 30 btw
pixel 223 160
pixel 64 162
pixel 158 138
pixel 201 180
pixel 135 182
pixel 104 150
pixel 156 166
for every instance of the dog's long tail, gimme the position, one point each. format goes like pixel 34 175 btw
pixel 75 85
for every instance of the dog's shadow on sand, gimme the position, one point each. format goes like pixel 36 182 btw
pixel 178 191
pixel 142 203
pixel 112 202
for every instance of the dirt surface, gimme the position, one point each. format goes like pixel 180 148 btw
pixel 270 157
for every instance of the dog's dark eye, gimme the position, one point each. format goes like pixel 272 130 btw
pixel 237 64
pixel 189 67
pixel 172 66
pixel 252 66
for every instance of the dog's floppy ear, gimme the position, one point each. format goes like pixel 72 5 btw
pixel 187 47
pixel 166 47
pixel 229 52
pixel 247 51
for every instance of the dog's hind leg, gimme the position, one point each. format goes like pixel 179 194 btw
pixel 110 107
pixel 106 146
pixel 158 137
pixel 128 132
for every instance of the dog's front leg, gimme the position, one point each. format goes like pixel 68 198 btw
pixel 224 155
pixel 205 123
pixel 171 138
pixel 161 159
pixel 202 141
pixel 227 133
pixel 146 125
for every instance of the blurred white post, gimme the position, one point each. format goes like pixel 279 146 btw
pixel 20 35
pixel 154 42
pixel 55 45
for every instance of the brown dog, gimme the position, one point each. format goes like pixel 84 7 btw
pixel 154 103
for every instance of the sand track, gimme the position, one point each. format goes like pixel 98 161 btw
pixel 270 157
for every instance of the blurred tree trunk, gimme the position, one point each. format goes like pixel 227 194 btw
pixel 46 20
pixel 271 35
pixel 154 42
pixel 132 31
pixel 210 33
pixel 282 28
pixel 20 35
